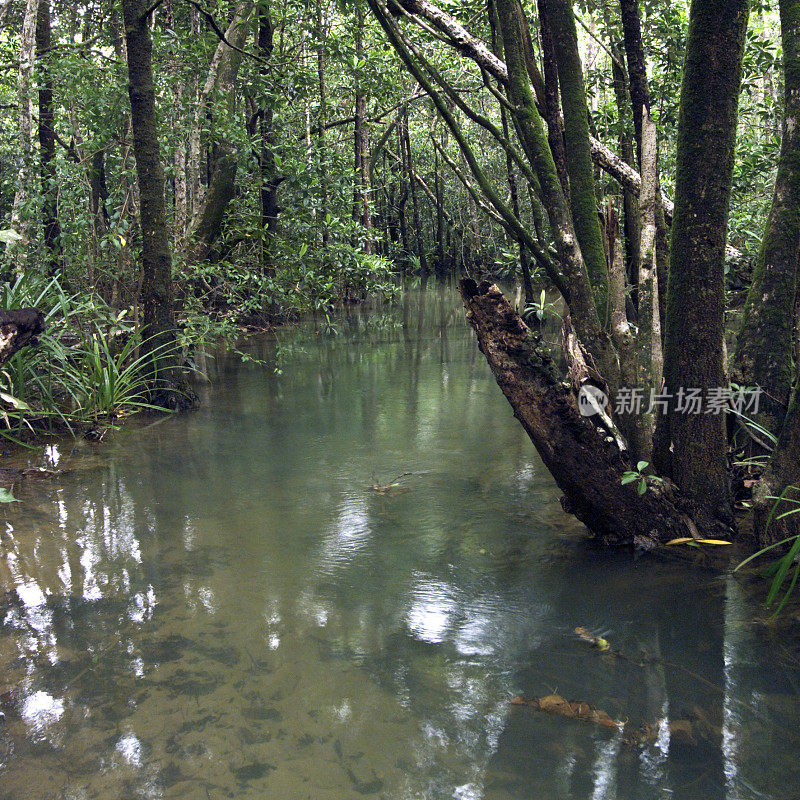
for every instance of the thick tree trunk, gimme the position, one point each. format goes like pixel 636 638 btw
pixel 765 346
pixel 694 354
pixel 156 293
pixel 587 467
pixel 764 351
pixel 47 144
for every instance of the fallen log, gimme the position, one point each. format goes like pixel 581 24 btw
pixel 585 462
pixel 19 328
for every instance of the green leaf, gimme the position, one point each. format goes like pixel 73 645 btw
pixel 642 464
pixel 642 487
pixel 9 237
pixel 14 401
pixel 7 497
pixel 629 477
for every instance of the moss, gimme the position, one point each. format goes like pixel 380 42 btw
pixel 580 168
pixel 696 292
pixel 764 353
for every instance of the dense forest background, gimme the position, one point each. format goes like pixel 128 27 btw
pixel 330 168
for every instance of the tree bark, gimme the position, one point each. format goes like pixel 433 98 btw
pixel 19 328
pixel 206 224
pixel 47 144
pixel 586 466
pixel 156 293
pixel 696 296
pixel 552 106
pixel 582 195
pixel 270 177
pixel 632 225
pixel 765 346
pixel 361 155
pixel 19 218
pixel 764 350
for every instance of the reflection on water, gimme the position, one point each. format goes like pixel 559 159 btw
pixel 222 605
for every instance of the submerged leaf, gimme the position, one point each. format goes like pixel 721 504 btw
pixel 7 497
pixel 577 710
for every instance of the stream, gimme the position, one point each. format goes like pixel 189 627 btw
pixel 243 602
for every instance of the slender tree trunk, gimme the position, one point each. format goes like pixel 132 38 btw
pixel 402 200
pixel 583 198
pixel 322 155
pixel 362 209
pixel 696 300
pixel 637 69
pixel 438 188
pixel 552 105
pixel 19 215
pixel 630 204
pixel 419 242
pixel 209 214
pixel 193 183
pixel 47 144
pixel 156 295
pixel 764 351
pixel 270 179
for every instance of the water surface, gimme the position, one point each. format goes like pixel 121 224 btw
pixel 223 605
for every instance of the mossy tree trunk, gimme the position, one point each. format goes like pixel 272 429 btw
pixel 582 195
pixel 271 179
pixel 765 347
pixel 156 294
pixel 47 143
pixel 694 340
pixel 764 351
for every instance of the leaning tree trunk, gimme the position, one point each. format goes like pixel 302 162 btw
pixel 585 462
pixel 156 297
pixel 695 329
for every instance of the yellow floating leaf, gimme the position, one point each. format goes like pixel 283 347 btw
pixel 681 540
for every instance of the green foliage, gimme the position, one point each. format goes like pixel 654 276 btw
pixel 639 477
pixel 86 369
pixel 785 571
pixel 540 308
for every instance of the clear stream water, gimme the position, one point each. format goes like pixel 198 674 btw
pixel 219 605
